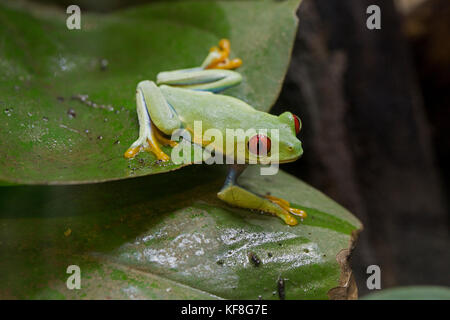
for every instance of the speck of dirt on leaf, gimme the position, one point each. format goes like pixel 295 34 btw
pixel 103 64
pixel 254 259
pixel 220 262
pixel 71 113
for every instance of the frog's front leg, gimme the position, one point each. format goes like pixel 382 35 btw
pixel 154 114
pixel 214 75
pixel 218 57
pixel 237 196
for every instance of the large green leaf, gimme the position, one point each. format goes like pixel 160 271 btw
pixel 43 65
pixel 168 236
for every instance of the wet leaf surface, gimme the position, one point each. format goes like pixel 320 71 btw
pixel 168 236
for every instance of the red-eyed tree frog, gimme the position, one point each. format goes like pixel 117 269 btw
pixel 180 97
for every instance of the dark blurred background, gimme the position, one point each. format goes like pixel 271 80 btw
pixel 376 116
pixel 375 108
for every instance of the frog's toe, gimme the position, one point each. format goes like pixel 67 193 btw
pixel 298 212
pixel 218 57
pixel 287 206
pixel 149 145
pixel 290 220
pixel 135 148
pixel 154 148
pixel 229 64
pixel 161 156
pixel 132 152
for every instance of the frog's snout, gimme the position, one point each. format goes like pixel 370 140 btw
pixel 298 148
pixel 295 149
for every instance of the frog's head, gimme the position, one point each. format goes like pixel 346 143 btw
pixel 290 149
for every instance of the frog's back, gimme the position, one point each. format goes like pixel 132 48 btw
pixel 215 110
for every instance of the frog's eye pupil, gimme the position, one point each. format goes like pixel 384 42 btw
pixel 259 144
pixel 298 124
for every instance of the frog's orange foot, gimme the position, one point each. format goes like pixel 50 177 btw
pixel 132 152
pixel 287 206
pixel 221 60
pixel 148 145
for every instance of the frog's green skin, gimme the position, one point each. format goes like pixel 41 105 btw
pixel 180 97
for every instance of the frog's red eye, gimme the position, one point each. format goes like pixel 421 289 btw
pixel 298 124
pixel 259 144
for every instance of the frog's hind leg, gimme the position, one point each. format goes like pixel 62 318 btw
pixel 237 196
pixel 152 109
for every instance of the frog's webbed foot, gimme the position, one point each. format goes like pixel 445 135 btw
pixel 150 144
pixel 286 206
pixel 218 57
